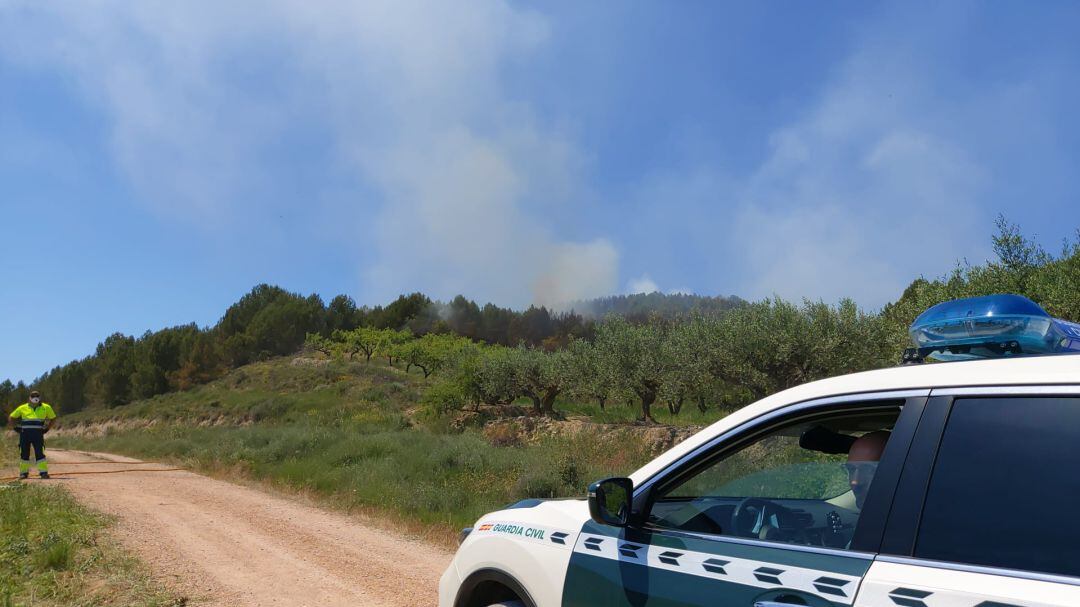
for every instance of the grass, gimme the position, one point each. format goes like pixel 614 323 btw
pixel 351 434
pixel 445 480
pixel 55 552
pixel 280 393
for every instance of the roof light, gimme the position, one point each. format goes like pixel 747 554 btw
pixel 990 326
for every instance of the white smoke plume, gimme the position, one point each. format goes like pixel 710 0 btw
pixel 453 177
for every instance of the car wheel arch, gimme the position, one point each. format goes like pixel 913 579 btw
pixel 491 586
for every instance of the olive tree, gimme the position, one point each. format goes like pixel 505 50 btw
pixel 772 345
pixel 492 381
pixel 688 376
pixel 587 377
pixel 541 376
pixel 634 359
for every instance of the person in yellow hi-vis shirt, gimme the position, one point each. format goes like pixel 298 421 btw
pixel 34 419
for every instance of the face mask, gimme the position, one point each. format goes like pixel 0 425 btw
pixel 35 400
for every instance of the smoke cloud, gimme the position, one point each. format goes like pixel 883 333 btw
pixel 453 178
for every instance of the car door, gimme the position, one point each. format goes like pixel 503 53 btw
pixel 985 513
pixel 754 517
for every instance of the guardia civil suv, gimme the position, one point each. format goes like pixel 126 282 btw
pixel 925 485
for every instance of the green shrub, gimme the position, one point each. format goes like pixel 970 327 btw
pixel 537 483
pixel 444 397
pixel 55 553
pixel 271 408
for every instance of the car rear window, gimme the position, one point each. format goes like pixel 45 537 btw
pixel 1006 486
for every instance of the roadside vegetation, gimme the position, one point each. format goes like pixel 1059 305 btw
pixel 55 552
pixel 351 432
pixel 435 413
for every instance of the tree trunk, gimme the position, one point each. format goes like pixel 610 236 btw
pixel 676 406
pixel 408 367
pixel 648 397
pixel 368 356
pixel 425 370
pixel 548 402
pixel 538 405
pixel 602 400
pixel 701 404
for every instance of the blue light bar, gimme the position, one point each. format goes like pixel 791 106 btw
pixel 991 326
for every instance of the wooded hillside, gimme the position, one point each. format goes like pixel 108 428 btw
pixel 654 348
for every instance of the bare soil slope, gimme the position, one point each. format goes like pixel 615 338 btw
pixel 224 544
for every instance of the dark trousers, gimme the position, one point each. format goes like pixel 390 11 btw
pixel 31 438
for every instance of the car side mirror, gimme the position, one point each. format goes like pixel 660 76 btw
pixel 609 501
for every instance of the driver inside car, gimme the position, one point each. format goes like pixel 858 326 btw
pixel 786 486
pixel 862 462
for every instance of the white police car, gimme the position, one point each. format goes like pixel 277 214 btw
pixel 975 499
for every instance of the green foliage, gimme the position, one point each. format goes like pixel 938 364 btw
pixel 490 377
pixel 369 341
pixel 413 312
pixel 14 395
pixel 391 342
pixel 633 358
pixel 713 352
pixel 316 342
pixel 55 554
pixel 588 381
pixel 464 317
pixel 270 321
pixel 52 554
pixel 444 397
pixel 201 362
pixel 773 345
pixel 640 307
pixel 343 315
pixel 7 389
pixel 348 431
pixel 434 352
pixel 540 375
pixel 115 367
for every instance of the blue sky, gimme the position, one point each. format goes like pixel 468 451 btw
pixel 159 159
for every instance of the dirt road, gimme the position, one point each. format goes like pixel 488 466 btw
pixel 224 544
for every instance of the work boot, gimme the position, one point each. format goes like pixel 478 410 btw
pixel 44 475
pixel 24 476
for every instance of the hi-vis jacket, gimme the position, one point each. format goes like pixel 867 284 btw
pixel 30 417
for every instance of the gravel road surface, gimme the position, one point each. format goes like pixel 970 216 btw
pixel 225 544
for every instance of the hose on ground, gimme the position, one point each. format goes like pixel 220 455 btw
pixel 63 475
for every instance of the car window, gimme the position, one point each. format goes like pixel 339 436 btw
pixel 1005 486
pixel 775 467
pixel 801 483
